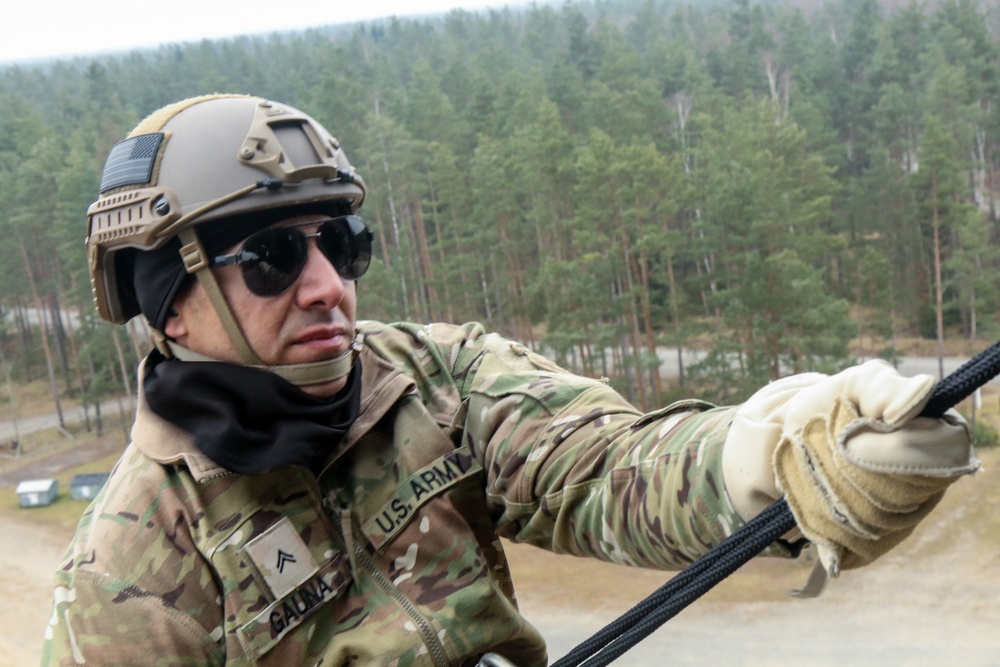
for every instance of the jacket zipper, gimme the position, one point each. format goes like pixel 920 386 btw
pixel 431 641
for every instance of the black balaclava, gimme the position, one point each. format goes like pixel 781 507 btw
pixel 249 420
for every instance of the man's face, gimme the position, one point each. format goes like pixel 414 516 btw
pixel 313 320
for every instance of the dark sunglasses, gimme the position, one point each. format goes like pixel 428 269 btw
pixel 272 259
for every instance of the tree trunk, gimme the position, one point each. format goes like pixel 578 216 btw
pixel 449 315
pixel 675 311
pixel 98 423
pixel 12 399
pixel 121 406
pixel 647 318
pixel 486 296
pixel 24 331
pixel 74 351
pixel 55 312
pixel 515 282
pixel 135 336
pixel 383 242
pixel 126 383
pixel 36 299
pixel 394 219
pixel 426 266
pixel 973 306
pixel 938 285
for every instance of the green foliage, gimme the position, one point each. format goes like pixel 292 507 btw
pixel 590 178
pixel 984 436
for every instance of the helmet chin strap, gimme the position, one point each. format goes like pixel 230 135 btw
pixel 301 375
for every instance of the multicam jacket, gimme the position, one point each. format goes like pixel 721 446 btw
pixel 391 555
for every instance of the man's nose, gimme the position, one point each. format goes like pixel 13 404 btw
pixel 319 285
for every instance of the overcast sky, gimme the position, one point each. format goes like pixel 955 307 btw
pixel 32 29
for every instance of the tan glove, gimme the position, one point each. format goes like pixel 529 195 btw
pixel 857 466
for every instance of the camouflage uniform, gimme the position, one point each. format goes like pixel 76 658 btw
pixel 391 556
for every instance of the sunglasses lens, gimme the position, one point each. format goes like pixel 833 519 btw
pixel 274 260
pixel 347 243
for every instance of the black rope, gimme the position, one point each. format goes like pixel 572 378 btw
pixel 687 586
pixel 612 641
pixel 970 376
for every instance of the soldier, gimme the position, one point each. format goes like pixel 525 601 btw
pixel 306 488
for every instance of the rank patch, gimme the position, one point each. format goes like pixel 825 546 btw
pixel 282 558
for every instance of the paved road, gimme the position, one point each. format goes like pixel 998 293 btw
pixel 9 431
pixel 907 365
pixel 669 367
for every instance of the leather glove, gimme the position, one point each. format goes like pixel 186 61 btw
pixel 858 467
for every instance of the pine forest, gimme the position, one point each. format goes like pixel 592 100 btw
pixel 780 185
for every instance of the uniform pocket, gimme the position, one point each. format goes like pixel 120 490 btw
pixel 276 620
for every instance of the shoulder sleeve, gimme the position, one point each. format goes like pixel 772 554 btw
pixel 133 589
pixel 433 353
pixel 572 467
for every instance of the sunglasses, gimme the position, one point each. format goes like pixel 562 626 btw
pixel 272 259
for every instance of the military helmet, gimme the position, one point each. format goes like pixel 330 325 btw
pixel 212 158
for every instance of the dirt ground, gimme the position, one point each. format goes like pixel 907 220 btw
pixel 935 601
pixel 29 554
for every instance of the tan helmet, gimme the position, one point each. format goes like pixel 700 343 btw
pixel 203 159
pixel 224 158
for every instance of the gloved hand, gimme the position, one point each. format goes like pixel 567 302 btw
pixel 857 466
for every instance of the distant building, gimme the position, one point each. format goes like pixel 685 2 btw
pixel 85 487
pixel 37 492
